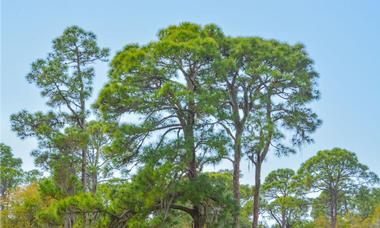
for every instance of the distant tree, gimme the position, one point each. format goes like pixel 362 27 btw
pixel 65 77
pixel 31 176
pixel 364 202
pixel 11 173
pixel 335 173
pixel 359 205
pixel 99 163
pixel 57 151
pixel 285 196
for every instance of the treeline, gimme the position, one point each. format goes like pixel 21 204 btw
pixel 191 99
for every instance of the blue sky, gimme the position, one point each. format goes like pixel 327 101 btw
pixel 343 37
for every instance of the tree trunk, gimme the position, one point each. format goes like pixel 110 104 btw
pixel 260 156
pixel 239 125
pixel 82 119
pixel 198 219
pixel 84 182
pixel 69 221
pixel 333 209
pixel 333 220
pixel 94 182
pixel 192 173
pixel 82 124
pixel 256 194
pixel 188 129
pixel 283 220
pixel 196 223
pixel 236 180
pixel 84 161
pixel 84 169
pixel 95 171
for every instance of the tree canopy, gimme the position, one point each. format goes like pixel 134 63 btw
pixel 171 108
pixel 336 173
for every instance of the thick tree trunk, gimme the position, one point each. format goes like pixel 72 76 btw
pixel 283 222
pixel 333 210
pixel 188 128
pixel 198 219
pixel 333 220
pixel 94 182
pixel 256 194
pixel 236 179
pixel 283 219
pixel 189 142
pixel 236 183
pixel 196 223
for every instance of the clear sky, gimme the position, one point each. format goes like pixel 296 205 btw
pixel 343 37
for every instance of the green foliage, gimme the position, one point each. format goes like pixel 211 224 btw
pixel 65 78
pixel 22 207
pixel 68 144
pixel 365 201
pixel 32 176
pixel 11 173
pixel 171 108
pixel 337 167
pixel 337 174
pixel 75 49
pixel 285 196
pixel 161 83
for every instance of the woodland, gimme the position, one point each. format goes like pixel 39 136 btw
pixel 190 99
